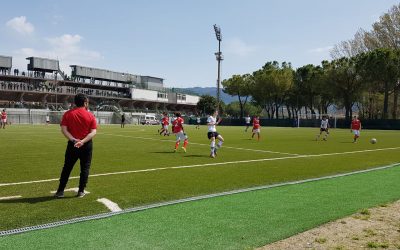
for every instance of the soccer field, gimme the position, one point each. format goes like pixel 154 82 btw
pixel 135 166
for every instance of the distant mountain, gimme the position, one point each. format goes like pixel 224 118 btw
pixel 212 91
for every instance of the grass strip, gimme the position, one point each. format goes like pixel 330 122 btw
pixel 239 221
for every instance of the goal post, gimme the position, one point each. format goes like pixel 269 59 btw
pixel 37 116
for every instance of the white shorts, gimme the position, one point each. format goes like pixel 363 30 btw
pixel 165 127
pixel 356 132
pixel 4 120
pixel 256 130
pixel 180 136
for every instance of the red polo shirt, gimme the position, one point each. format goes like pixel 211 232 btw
pixel 79 122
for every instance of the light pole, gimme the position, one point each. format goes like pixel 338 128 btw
pixel 219 58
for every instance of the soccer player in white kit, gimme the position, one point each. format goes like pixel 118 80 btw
pixel 213 134
pixel 198 120
pixel 247 120
pixel 323 128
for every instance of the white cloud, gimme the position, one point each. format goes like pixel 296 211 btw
pixel 238 47
pixel 66 48
pixel 20 25
pixel 321 49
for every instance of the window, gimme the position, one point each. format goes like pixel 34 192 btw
pixel 162 95
pixel 181 97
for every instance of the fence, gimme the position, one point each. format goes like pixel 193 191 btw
pixel 40 116
pixel 334 123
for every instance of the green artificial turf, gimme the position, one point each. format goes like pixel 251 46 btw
pixel 31 153
pixel 240 221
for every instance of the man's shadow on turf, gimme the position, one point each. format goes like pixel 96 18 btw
pixel 32 200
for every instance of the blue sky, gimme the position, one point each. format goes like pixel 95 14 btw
pixel 175 39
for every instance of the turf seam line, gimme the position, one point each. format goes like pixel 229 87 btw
pixel 202 165
pixel 174 202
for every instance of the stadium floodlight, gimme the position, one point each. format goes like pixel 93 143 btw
pixel 219 58
pixel 217 30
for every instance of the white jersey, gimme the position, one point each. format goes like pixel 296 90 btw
pixel 247 119
pixel 324 123
pixel 211 120
pixel 198 120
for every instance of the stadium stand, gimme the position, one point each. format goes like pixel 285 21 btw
pixel 45 87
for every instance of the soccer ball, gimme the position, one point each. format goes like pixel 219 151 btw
pixel 373 141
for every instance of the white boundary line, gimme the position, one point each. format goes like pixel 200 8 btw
pixel 112 206
pixel 10 197
pixel 196 143
pixel 174 202
pixel 205 165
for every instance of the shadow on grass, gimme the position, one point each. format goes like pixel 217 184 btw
pixel 197 156
pixel 33 200
pixel 163 152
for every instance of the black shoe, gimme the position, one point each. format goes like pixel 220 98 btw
pixel 81 194
pixel 59 194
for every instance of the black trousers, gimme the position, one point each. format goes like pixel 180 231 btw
pixel 72 154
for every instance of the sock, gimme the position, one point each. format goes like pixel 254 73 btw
pixel 177 144
pixel 220 144
pixel 212 147
pixel 185 142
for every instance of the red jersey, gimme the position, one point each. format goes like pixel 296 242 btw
pixel 3 115
pixel 79 122
pixel 355 124
pixel 165 121
pixel 256 123
pixel 177 125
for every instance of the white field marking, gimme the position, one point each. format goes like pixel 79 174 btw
pixel 206 165
pixel 10 197
pixel 70 190
pixel 112 206
pixel 201 144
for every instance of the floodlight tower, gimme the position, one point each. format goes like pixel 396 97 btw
pixel 219 58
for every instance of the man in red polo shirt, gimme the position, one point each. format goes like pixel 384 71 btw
pixel 79 126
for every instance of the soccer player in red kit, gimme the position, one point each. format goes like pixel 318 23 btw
pixel 256 127
pixel 3 118
pixel 165 123
pixel 177 129
pixel 355 128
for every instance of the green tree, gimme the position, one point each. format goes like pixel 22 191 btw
pixel 240 86
pixel 271 86
pixel 346 83
pixel 381 68
pixel 207 104
pixel 307 79
pixel 233 109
